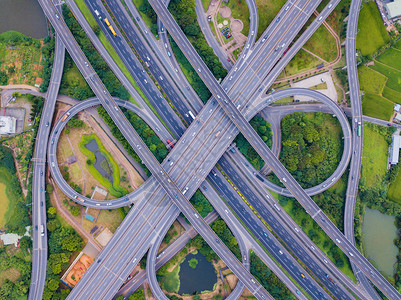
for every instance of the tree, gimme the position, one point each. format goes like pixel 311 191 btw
pixel 25 242
pixel 75 211
pixel 49 188
pixel 3 78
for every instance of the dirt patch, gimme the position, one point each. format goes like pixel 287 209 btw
pixel 225 12
pixel 104 237
pixel 237 25
pixel 231 280
pixel 11 274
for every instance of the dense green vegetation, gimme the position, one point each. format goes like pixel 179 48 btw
pixel 185 15
pixel 17 215
pixel 155 145
pixel 201 204
pixel 372 34
pixel 311 147
pixel 63 243
pixel 103 71
pixel 111 166
pixel 269 280
pixel 47 62
pixel 193 78
pixel 18 262
pixel 263 129
pixel 137 295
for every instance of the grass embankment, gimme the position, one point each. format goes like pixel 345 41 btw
pixel 267 10
pixel 374 157
pixel 372 34
pixel 302 61
pixel 114 188
pixel 394 190
pixel 92 22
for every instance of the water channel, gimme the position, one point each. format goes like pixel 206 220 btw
pixel 93 146
pixel 379 232
pixel 202 278
pixel 25 16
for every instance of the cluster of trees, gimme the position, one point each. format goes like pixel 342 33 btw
pixel 185 15
pixel 147 9
pixel 269 280
pixel 196 82
pixel 225 234
pixel 74 122
pixel 47 62
pixel 14 290
pixel 263 129
pixel 19 216
pixel 310 149
pixel 3 78
pixel 397 242
pixel 103 71
pixel 63 242
pixel 201 204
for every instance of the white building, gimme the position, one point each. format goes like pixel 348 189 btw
pixel 395 149
pixel 393 9
pixel 8 125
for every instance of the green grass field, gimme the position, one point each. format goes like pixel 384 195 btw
pixel 145 17
pixel 171 281
pixel 374 157
pixel 4 201
pixel 376 106
pixel 371 81
pixel 391 57
pixel 323 44
pixel 372 34
pixel 267 10
pixel 302 61
pixel 392 94
pixel 393 75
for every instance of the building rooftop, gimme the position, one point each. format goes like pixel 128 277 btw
pixel 7 125
pixel 395 149
pixel 393 9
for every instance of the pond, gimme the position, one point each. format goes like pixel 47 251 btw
pixel 25 16
pixel 379 232
pixel 101 164
pixel 202 278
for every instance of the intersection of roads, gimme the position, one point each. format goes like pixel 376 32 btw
pixel 201 144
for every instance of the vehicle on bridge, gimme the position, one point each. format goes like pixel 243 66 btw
pixel 170 143
pixel 65 117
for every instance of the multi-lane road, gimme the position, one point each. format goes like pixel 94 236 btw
pixel 196 165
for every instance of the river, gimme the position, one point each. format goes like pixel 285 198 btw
pixel 379 232
pixel 25 16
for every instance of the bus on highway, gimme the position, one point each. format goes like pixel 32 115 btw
pixel 112 30
pixel 359 130
pixel 170 143
pixel 107 22
pixel 191 114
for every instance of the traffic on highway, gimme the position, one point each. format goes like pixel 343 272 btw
pixel 200 158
